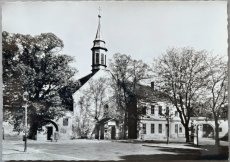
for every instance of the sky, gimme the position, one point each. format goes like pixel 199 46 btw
pixel 143 30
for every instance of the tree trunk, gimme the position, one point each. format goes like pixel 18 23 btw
pixel 167 130
pixel 186 133
pixel 125 126
pixel 33 130
pixel 132 118
pixel 217 141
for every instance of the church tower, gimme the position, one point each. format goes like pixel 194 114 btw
pixel 98 50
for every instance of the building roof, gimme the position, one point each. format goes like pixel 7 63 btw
pixel 148 94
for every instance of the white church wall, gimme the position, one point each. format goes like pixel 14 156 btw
pixel 82 94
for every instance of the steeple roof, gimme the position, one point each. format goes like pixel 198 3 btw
pixel 98 35
pixel 99 42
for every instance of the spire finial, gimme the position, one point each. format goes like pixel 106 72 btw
pixel 99 11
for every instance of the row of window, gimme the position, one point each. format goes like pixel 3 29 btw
pixel 178 128
pixel 160 111
pixel 103 59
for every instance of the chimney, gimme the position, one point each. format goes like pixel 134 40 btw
pixel 152 85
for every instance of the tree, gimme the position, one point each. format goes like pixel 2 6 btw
pixel 216 91
pixel 127 73
pixel 34 64
pixel 182 74
pixel 83 118
pixel 93 102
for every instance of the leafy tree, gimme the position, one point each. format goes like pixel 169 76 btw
pixel 34 64
pixel 127 73
pixel 182 74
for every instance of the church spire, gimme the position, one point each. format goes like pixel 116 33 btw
pixel 98 35
pixel 99 50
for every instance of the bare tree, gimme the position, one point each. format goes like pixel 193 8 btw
pixel 97 97
pixel 127 74
pixel 216 91
pixel 182 74
pixel 83 118
pixel 91 103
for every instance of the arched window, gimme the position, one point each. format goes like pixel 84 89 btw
pixel 97 58
pixel 102 59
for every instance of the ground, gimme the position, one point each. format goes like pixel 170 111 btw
pixel 86 150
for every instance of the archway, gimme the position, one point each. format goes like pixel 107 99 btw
pixel 48 127
pixel 208 131
pixel 44 122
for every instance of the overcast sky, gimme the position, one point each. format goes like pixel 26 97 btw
pixel 143 30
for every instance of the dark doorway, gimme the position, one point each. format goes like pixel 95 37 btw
pixel 113 132
pixel 208 131
pixel 49 132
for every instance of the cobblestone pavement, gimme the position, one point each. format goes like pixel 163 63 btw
pixel 105 150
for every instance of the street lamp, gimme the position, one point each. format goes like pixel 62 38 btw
pixel 197 134
pixel 25 98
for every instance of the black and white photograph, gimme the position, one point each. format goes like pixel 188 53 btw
pixel 115 81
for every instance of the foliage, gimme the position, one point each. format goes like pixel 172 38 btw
pixel 34 64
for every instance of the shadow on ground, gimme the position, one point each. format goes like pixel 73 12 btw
pixel 206 154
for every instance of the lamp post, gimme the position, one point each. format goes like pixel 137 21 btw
pixel 197 134
pixel 25 98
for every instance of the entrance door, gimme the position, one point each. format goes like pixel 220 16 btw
pixel 49 132
pixel 113 132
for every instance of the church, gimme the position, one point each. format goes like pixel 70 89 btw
pixel 94 113
pixel 93 105
pixel 94 108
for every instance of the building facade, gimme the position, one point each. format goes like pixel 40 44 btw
pixel 159 120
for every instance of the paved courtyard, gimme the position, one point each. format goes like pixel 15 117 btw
pixel 109 150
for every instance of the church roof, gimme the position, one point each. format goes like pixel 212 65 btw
pixel 85 79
